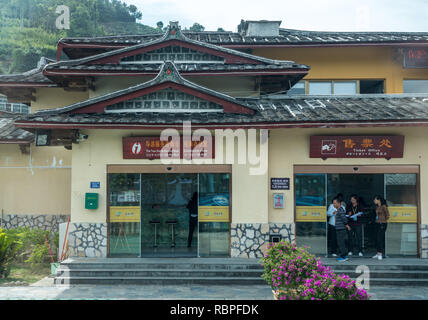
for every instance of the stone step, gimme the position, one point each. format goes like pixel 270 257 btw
pixel 157 273
pixel 347 266
pixel 167 266
pixel 160 280
pixel 379 274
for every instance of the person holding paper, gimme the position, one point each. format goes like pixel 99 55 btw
pixel 355 214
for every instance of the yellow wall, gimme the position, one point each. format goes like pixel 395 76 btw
pixel 341 63
pixel 35 183
pixel 90 159
pixel 47 98
pixel 233 86
pixel 288 147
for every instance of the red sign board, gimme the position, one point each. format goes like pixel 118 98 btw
pixel 151 148
pixel 416 58
pixel 356 147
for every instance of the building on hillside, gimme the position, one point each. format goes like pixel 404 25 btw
pixel 293 118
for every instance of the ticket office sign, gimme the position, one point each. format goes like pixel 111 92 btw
pixel 213 213
pixel 356 147
pixel 311 214
pixel 403 214
pixel 125 214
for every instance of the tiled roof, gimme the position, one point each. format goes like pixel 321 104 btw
pixel 168 73
pixel 9 133
pixel 174 33
pixel 32 76
pixel 298 109
pixel 285 37
pixel 182 67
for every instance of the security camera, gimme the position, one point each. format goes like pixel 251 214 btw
pixel 355 168
pixel 82 137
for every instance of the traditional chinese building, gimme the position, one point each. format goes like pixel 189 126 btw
pixel 309 115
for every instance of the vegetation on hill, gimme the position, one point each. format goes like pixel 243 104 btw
pixel 28 27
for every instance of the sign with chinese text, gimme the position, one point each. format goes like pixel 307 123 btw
pixel 213 213
pixel 416 58
pixel 311 214
pixel 403 214
pixel 280 183
pixel 356 147
pixel 125 214
pixel 150 148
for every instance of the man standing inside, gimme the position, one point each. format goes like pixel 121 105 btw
pixel 341 225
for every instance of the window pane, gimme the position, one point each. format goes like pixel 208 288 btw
pixel 298 88
pixel 317 87
pixel 415 86
pixel 371 86
pixel 345 87
pixel 124 203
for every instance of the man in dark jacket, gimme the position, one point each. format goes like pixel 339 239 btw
pixel 192 206
pixel 341 225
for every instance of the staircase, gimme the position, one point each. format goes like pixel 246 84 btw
pixel 160 271
pixel 388 272
pixel 222 271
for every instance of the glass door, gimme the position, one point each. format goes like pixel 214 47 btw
pixel 214 214
pixel 168 225
pixel 124 214
pixel 311 212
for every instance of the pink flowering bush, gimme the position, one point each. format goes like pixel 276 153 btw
pixel 298 275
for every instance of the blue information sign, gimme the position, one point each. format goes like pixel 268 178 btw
pixel 95 184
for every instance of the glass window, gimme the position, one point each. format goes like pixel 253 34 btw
pixel 214 230
pixel 401 197
pixel 310 199
pixel 124 214
pixel 345 87
pixel 371 86
pixel 415 86
pixel 319 87
pixel 298 88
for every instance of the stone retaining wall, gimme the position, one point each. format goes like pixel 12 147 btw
pixel 88 240
pixel 250 240
pixel 44 222
pixel 424 241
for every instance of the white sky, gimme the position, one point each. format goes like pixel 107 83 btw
pixel 329 15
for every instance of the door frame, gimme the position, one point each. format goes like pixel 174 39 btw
pixel 160 168
pixel 366 169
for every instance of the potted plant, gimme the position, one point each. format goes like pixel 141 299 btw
pixel 295 274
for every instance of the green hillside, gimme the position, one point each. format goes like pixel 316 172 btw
pixel 28 30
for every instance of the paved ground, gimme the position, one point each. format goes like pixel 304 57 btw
pixel 45 290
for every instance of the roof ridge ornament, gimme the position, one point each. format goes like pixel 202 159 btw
pixel 169 72
pixel 173 31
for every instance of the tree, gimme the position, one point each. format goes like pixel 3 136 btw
pixel 159 25
pixel 220 30
pixel 197 27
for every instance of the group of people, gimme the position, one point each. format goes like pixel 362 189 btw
pixel 346 221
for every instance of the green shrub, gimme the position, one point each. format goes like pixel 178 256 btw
pixel 295 274
pixel 8 249
pixel 32 245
